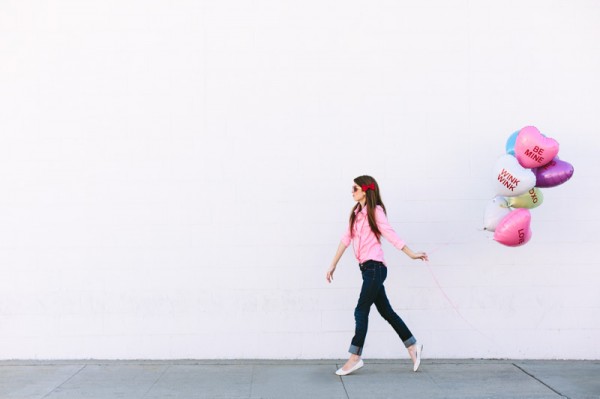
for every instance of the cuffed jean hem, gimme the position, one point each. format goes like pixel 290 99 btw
pixel 410 342
pixel 355 350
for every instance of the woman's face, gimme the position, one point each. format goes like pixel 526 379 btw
pixel 357 193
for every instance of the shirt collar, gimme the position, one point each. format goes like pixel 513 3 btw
pixel 363 210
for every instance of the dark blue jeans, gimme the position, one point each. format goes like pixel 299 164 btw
pixel 373 292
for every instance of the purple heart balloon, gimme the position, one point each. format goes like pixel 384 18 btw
pixel 554 173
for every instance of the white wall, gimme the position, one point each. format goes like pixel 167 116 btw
pixel 176 176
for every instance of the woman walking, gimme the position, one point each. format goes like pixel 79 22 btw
pixel 368 222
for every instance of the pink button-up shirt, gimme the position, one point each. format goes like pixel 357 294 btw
pixel 365 243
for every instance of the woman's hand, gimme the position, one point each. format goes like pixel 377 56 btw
pixel 329 275
pixel 415 255
pixel 420 255
pixel 336 258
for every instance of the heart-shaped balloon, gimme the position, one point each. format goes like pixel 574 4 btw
pixel 532 149
pixel 531 199
pixel 514 229
pixel 510 143
pixel 495 211
pixel 553 174
pixel 511 179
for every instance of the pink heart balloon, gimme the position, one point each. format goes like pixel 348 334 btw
pixel 554 173
pixel 532 149
pixel 514 230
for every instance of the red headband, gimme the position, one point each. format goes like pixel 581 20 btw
pixel 365 187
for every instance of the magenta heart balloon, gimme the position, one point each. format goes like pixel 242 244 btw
pixel 554 173
pixel 514 230
pixel 532 149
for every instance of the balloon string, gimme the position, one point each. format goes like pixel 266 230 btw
pixel 445 295
pixel 433 276
pixel 454 307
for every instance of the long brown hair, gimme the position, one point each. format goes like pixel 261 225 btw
pixel 373 199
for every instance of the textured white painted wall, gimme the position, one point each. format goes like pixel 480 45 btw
pixel 176 176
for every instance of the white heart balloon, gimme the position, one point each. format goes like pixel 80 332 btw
pixel 495 211
pixel 510 178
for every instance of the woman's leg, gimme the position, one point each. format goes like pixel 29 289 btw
pixel 372 281
pixel 385 309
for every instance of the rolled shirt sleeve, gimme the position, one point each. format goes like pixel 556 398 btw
pixel 386 230
pixel 346 238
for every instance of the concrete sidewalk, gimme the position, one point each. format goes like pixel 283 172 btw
pixel 298 379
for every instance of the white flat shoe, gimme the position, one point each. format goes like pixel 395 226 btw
pixel 418 351
pixel 358 365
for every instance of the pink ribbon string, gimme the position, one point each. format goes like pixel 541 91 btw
pixel 446 296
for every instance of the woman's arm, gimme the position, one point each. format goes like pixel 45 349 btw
pixel 386 229
pixel 388 232
pixel 340 251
